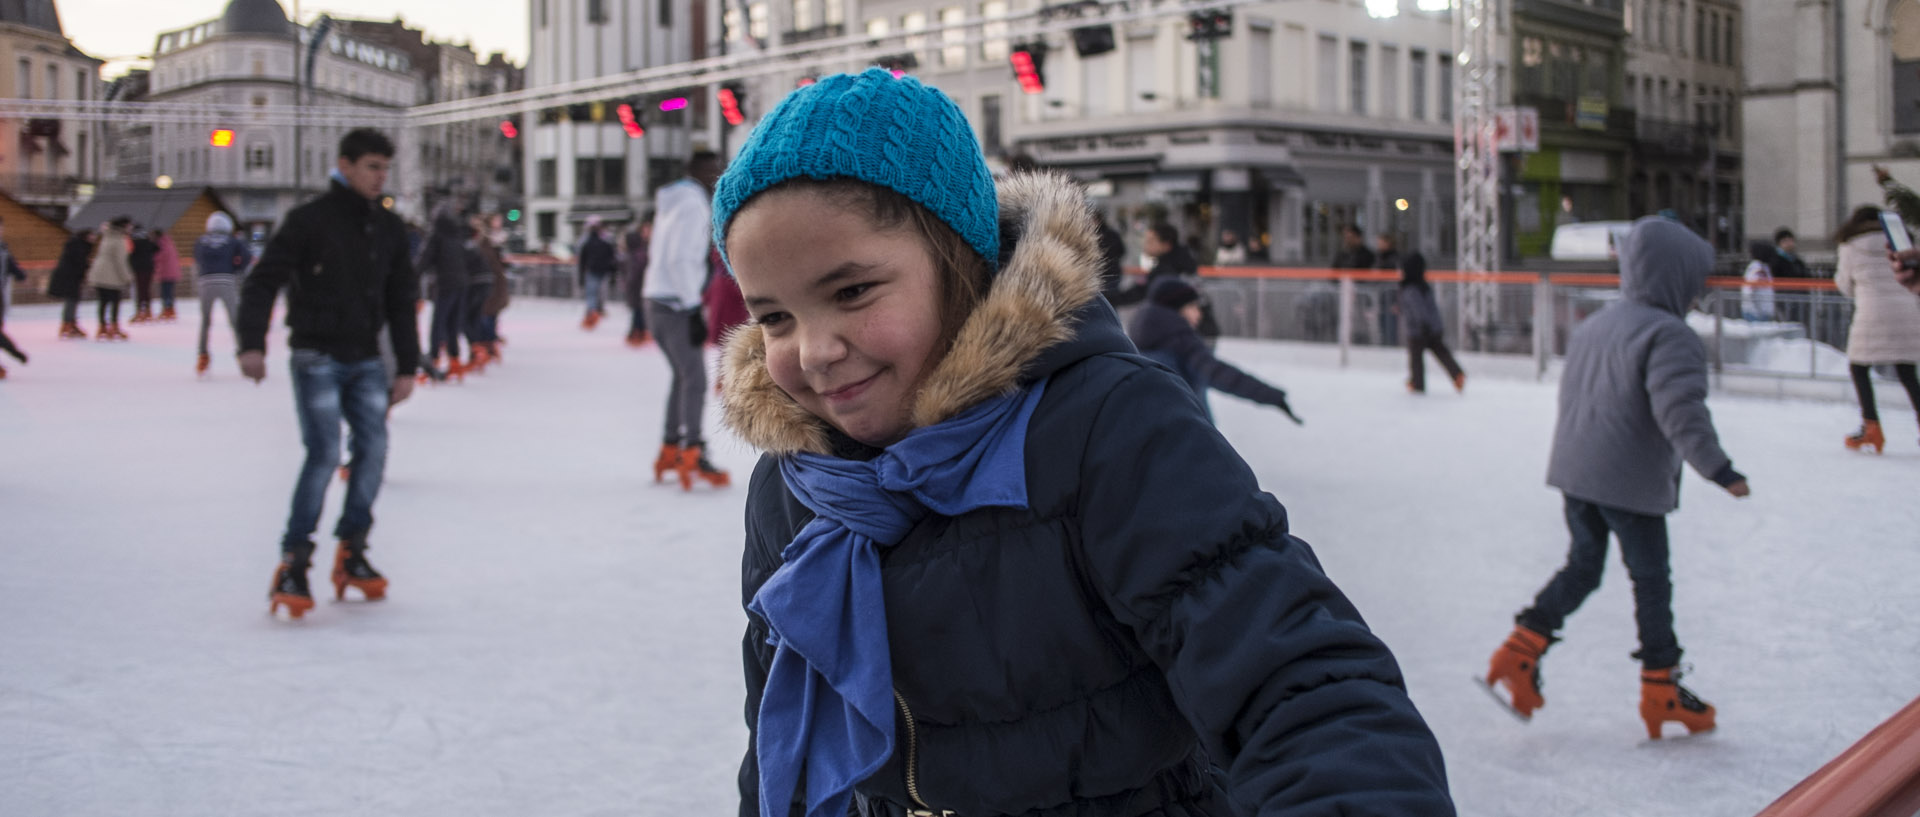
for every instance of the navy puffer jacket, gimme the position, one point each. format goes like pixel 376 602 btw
pixel 1147 638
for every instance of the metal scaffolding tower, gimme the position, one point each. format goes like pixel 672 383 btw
pixel 1476 168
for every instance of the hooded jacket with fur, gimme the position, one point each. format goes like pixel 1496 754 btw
pixel 1146 638
pixel 1633 395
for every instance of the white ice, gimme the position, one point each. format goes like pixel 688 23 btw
pixel 563 636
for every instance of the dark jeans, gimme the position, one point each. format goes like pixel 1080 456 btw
pixel 1417 348
pixel 1643 546
pixel 166 293
pixel 1863 388
pixel 109 305
pixel 449 321
pixel 476 317
pixel 142 288
pixel 71 312
pixel 673 330
pixel 325 393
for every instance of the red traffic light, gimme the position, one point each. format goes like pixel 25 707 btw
pixel 1026 69
pixel 508 130
pixel 628 122
pixel 730 106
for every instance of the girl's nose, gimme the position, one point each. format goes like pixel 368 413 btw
pixel 820 348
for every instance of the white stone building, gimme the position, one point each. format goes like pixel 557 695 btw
pixel 45 162
pixel 246 57
pixel 1832 89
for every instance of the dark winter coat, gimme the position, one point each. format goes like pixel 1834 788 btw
pixel 500 295
pixel 1147 638
pixel 634 270
pixel 140 258
pixel 1165 337
pixel 444 256
pixel 1633 395
pixel 220 254
pixel 70 272
pixel 343 260
pixel 1113 254
pixel 1353 258
pixel 597 257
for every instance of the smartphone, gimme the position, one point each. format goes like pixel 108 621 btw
pixel 1897 238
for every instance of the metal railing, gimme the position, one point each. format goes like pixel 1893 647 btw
pixel 1534 314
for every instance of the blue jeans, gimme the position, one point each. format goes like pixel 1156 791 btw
pixel 595 284
pixel 1643 546
pixel 325 393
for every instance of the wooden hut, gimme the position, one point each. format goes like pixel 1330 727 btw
pixel 35 241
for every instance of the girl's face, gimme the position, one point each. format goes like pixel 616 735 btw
pixel 850 312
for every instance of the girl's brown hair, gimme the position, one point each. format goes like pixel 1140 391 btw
pixel 964 275
pixel 1865 219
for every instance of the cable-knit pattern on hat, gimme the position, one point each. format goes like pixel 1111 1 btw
pixel 897 133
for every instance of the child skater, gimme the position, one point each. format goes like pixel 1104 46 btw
pixel 1421 325
pixel 1166 329
pixel 1633 406
pixel 997 563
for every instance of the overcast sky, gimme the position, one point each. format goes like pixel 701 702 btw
pixel 106 29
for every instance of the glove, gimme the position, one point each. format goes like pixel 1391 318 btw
pixel 1288 410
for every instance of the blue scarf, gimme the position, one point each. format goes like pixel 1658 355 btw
pixel 828 703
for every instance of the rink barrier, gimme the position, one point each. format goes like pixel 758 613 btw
pixel 1534 313
pixel 1879 776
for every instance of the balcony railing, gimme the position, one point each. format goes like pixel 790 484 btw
pixel 40 185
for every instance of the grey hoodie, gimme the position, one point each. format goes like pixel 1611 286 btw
pixel 1633 398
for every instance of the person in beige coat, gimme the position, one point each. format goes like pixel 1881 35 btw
pixel 111 274
pixel 1886 320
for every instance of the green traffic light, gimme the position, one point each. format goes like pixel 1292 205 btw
pixel 513 215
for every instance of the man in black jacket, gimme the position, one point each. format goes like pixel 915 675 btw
pixel 597 262
pixel 1170 260
pixel 343 258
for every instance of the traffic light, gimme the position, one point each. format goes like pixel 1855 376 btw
pixel 221 138
pixel 588 112
pixel 1090 41
pixel 732 95
pixel 673 103
pixel 629 121
pixel 1210 25
pixel 513 215
pixel 508 129
pixel 1029 64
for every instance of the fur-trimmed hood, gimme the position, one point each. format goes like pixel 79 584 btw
pixel 1049 272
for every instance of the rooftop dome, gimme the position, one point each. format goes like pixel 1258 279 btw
pixel 255 17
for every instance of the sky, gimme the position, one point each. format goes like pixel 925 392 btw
pixel 104 29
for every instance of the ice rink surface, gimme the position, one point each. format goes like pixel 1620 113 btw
pixel 562 636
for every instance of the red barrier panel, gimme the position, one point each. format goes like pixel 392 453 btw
pixel 1597 280
pixel 1877 777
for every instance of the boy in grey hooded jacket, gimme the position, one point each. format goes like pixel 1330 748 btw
pixel 1632 409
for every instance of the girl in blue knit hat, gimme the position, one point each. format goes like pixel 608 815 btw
pixel 996 562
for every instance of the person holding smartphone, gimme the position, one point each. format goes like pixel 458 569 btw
pixel 1886 317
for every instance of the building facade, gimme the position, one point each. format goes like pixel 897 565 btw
pixel 1683 83
pixel 47 163
pixel 247 58
pixel 583 163
pixel 1837 94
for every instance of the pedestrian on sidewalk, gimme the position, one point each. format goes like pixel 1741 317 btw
pixel 110 275
pixel 997 563
pixel 219 259
pixel 343 260
pixel 1633 408
pixel 1422 326
pixel 1885 330
pixel 677 270
pixel 68 281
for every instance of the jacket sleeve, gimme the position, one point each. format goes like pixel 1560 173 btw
pixel 766 538
pixel 1843 271
pixel 285 252
pixel 1286 687
pixel 1677 386
pixel 1223 376
pixel 403 289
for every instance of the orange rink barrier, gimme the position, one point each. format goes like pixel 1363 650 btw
pixel 1600 280
pixel 1876 777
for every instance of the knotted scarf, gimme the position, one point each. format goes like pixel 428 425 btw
pixel 828 703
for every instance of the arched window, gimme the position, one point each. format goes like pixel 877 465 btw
pixel 1905 20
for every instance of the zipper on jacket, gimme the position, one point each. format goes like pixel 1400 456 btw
pixel 913 764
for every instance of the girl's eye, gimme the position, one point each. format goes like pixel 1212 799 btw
pixel 770 319
pixel 852 292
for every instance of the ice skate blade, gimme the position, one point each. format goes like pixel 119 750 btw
pixel 1494 692
pixel 296 607
pixel 1687 736
pixel 370 590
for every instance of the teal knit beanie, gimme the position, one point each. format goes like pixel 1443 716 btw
pixel 895 133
